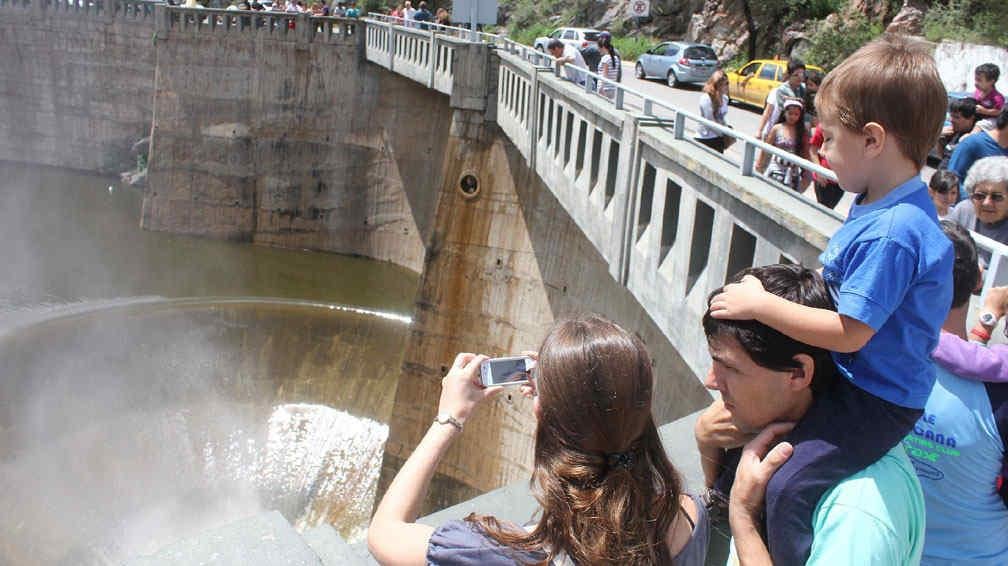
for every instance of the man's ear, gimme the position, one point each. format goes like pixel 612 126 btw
pixel 874 139
pixel 801 377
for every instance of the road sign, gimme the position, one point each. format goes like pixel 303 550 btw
pixel 474 11
pixel 640 8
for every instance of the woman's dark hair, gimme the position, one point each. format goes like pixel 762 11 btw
pixel 801 135
pixel 767 347
pixel 606 487
pixel 943 181
pixel 966 269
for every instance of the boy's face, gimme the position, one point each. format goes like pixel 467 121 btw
pixel 982 83
pixel 754 395
pixel 844 149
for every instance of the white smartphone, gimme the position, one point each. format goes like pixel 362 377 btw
pixel 512 370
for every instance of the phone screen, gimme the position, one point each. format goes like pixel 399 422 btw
pixel 508 370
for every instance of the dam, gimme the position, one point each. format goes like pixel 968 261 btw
pixel 333 208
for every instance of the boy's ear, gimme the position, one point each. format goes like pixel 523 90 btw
pixel 874 139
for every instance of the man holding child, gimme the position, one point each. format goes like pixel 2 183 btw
pixel 889 271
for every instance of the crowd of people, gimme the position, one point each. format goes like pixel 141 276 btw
pixel 861 420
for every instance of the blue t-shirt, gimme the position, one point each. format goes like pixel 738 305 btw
pixel 958 453
pixel 890 266
pixel 974 147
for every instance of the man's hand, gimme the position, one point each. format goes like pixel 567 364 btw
pixel 740 301
pixel 757 465
pixel 714 428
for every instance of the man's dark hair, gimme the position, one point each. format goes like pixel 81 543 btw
pixel 990 71
pixel 1002 119
pixel 794 64
pixel 943 181
pixel 966 269
pixel 554 44
pixel 767 347
pixel 966 107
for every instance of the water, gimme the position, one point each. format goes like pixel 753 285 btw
pixel 152 386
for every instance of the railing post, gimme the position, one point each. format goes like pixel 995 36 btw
pixel 162 21
pixel 618 102
pixel 432 58
pixel 391 47
pixel 305 30
pixel 648 107
pixel 680 125
pixel 748 159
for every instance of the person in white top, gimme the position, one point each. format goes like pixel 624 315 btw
pixel 609 65
pixel 714 107
pixel 408 12
pixel 571 59
pixel 771 113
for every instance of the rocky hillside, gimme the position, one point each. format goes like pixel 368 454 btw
pixel 824 31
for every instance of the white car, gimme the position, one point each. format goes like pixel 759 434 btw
pixel 578 37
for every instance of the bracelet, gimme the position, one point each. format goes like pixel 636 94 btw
pixel 980 333
pixel 445 418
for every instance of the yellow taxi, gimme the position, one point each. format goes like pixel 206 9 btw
pixel 753 82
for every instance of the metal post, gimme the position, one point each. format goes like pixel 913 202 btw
pixel 619 98
pixel 648 107
pixel 748 159
pixel 680 125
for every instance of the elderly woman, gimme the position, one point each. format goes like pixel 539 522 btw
pixel 986 210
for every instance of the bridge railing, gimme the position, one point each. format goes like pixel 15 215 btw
pixel 424 55
pixel 139 10
pixel 279 25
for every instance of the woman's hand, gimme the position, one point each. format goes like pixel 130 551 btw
pixel 461 390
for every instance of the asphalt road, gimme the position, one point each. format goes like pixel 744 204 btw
pixel 743 118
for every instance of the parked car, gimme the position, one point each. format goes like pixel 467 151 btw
pixel 578 37
pixel 753 82
pixel 677 62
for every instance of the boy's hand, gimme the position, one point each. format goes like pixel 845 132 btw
pixel 739 301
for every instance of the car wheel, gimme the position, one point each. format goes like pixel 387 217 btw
pixel 639 70
pixel 672 80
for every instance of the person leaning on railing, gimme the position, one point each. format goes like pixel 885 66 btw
pixel 607 491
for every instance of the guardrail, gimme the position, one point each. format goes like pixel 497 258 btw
pixel 282 25
pixel 123 9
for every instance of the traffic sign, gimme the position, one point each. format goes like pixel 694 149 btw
pixel 640 8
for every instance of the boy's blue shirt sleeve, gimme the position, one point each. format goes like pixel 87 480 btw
pixel 875 282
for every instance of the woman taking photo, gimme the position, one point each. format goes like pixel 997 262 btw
pixel 714 107
pixel 607 492
pixel 790 135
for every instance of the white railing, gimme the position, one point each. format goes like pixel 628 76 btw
pixel 424 55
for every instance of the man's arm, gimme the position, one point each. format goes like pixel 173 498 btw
pixel 822 328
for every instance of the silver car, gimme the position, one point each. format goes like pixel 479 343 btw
pixel 677 62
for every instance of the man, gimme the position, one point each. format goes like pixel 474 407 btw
pixel 765 377
pixel 794 85
pixel 979 145
pixel 958 446
pixel 986 210
pixel 962 118
pixel 423 15
pixel 570 58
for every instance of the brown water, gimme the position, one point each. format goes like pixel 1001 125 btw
pixel 152 386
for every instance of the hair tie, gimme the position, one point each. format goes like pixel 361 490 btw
pixel 620 460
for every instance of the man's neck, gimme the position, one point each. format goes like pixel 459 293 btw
pixel 955 322
pixel 800 407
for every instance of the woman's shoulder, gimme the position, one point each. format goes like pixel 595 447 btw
pixel 466 543
pixel 689 533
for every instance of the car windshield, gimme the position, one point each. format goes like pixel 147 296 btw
pixel 591 35
pixel 700 52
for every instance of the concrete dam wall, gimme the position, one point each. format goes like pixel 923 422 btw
pixel 283 134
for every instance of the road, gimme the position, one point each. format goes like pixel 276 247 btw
pixel 743 118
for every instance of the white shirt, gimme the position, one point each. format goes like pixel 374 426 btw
pixel 576 61
pixel 771 101
pixel 707 111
